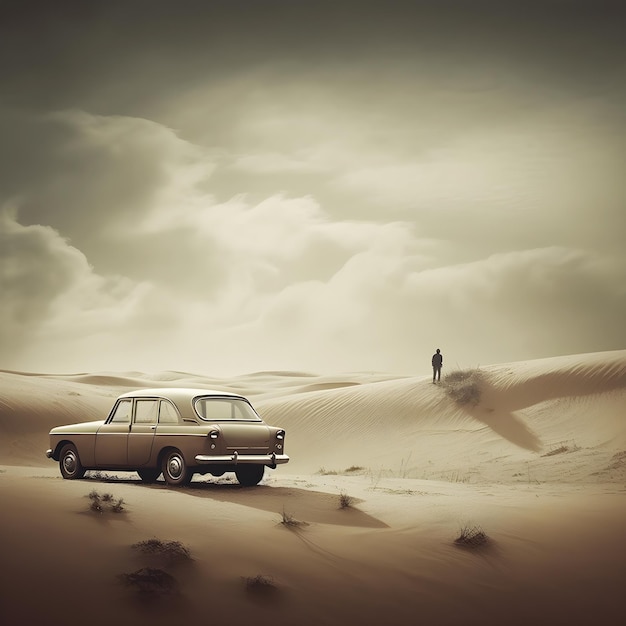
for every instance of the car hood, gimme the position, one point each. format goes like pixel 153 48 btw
pixel 83 427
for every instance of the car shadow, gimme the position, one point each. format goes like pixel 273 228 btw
pixel 303 505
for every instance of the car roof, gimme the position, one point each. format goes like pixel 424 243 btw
pixel 182 397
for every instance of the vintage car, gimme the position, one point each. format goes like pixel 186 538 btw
pixel 176 432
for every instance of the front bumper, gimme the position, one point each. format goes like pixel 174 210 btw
pixel 237 459
pixel 49 453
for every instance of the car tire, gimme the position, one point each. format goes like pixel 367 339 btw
pixel 249 475
pixel 69 463
pixel 148 475
pixel 175 470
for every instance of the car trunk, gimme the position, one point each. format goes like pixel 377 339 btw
pixel 253 438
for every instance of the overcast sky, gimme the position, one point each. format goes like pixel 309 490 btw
pixel 223 187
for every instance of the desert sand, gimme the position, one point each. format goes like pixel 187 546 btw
pixel 538 464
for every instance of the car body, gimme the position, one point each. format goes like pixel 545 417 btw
pixel 177 432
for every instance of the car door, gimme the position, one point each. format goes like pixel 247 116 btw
pixel 111 449
pixel 142 431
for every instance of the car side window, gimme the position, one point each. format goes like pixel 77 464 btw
pixel 122 412
pixel 167 413
pixel 146 411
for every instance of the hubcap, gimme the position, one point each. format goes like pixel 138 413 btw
pixel 69 463
pixel 175 466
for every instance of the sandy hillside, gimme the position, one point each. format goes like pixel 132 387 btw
pixel 534 457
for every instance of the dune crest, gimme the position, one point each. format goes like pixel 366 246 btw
pixel 405 425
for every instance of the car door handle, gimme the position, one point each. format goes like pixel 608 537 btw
pixel 153 427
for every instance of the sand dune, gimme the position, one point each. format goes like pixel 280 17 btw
pixel 539 464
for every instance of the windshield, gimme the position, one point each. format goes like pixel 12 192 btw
pixel 225 409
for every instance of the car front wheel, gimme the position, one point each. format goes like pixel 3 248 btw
pixel 69 463
pixel 249 475
pixel 175 470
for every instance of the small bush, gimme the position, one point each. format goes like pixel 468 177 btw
pixel 345 501
pixel 290 521
pixel 562 449
pixel 463 386
pixel 324 472
pixel 471 537
pixel 101 503
pixel 150 581
pixel 259 583
pixel 169 550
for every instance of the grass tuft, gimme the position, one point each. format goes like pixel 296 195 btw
pixel 562 449
pixel 290 521
pixel 471 537
pixel 322 471
pixel 345 501
pixel 353 469
pixel 105 502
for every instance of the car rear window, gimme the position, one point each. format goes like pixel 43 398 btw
pixel 223 409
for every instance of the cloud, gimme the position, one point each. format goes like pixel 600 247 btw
pixel 121 251
pixel 86 174
pixel 53 302
pixel 276 162
pixel 383 312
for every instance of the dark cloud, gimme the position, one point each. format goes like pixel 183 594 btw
pixel 36 267
pixel 112 57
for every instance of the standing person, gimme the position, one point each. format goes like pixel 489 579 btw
pixel 437 361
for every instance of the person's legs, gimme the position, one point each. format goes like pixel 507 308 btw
pixel 439 374
pixel 434 373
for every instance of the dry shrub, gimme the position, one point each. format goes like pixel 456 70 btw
pixel 322 471
pixel 471 537
pixel 170 551
pixel 105 502
pixel 151 582
pixel 259 583
pixel 464 386
pixel 290 521
pixel 563 448
pixel 345 501
pixel 559 450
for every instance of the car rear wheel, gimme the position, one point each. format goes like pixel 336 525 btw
pixel 175 470
pixel 148 475
pixel 249 475
pixel 69 463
